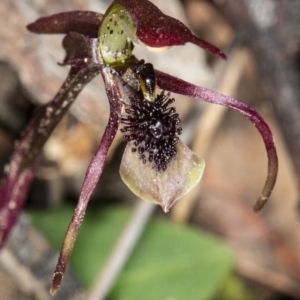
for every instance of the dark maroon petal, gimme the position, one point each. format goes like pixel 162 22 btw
pixel 114 89
pixel 13 190
pixel 81 51
pixel 155 29
pixel 20 171
pixel 85 22
pixel 179 86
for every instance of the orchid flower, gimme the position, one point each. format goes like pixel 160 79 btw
pixel 157 166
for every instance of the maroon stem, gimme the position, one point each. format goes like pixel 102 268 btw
pixel 21 169
pixel 92 177
pixel 179 86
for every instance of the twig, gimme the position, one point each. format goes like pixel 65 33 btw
pixel 118 257
pixel 26 281
pixel 269 278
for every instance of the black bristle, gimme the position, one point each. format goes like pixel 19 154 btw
pixel 153 128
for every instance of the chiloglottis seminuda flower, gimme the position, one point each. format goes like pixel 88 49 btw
pixel 156 164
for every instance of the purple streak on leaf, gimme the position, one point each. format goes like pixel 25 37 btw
pixel 114 86
pixel 155 29
pixel 85 22
pixel 20 171
pixel 81 51
pixel 179 86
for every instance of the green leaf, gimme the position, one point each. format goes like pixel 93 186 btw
pixel 169 262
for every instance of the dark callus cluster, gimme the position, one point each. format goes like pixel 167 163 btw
pixel 152 126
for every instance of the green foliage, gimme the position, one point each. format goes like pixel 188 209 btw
pixel 169 262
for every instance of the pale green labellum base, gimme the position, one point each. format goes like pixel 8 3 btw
pixel 164 188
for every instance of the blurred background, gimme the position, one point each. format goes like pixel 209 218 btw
pixel 211 245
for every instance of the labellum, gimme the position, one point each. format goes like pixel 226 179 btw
pixel 156 165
